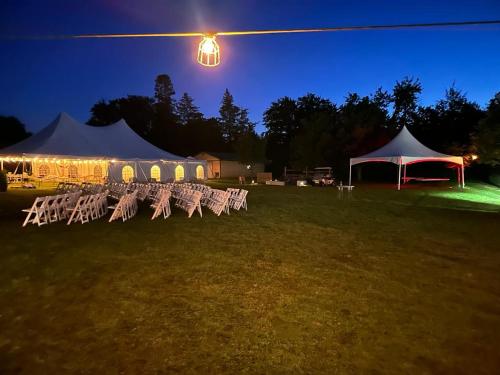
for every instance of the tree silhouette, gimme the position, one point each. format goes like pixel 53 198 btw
pixel 233 120
pixel 487 137
pixel 405 96
pixel 186 110
pixel 281 123
pixel 12 131
pixel 448 125
pixel 250 148
pixel 136 110
pixel 164 92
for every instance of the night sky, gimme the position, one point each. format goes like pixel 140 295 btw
pixel 40 78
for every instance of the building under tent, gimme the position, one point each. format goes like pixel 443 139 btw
pixel 67 150
pixel 404 150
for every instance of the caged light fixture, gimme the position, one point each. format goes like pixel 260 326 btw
pixel 209 53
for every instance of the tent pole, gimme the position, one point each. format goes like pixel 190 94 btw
pixel 350 169
pixel 463 177
pixel 404 175
pixel 143 173
pixel 22 172
pixel 399 175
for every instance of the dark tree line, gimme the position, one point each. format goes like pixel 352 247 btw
pixel 301 133
pixel 11 131
pixel 179 126
pixel 311 131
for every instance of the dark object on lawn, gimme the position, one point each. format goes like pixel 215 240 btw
pixel 323 177
pixel 3 181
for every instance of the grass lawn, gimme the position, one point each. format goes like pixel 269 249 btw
pixel 304 282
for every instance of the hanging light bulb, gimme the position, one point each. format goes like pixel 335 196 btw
pixel 208 51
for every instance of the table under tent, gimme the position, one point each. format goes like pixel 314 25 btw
pixel 67 150
pixel 404 150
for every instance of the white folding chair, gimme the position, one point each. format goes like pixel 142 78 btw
pixel 37 214
pixel 80 211
pixel 218 201
pixel 238 199
pixel 161 205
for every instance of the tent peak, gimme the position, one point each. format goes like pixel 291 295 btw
pixel 65 118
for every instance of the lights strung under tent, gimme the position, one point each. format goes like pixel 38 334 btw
pixel 14 159
pixel 209 52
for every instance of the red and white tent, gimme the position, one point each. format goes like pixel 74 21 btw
pixel 405 149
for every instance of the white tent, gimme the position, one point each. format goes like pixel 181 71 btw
pixel 66 148
pixel 405 149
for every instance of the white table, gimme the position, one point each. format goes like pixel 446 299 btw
pixel 341 189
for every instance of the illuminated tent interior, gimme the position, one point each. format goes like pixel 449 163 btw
pixel 404 150
pixel 67 150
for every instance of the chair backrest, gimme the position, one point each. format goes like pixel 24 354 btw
pixel 162 204
pixel 218 201
pixel 239 200
pixel 80 207
pixel 36 214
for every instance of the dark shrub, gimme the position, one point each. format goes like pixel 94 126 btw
pixel 495 175
pixel 3 181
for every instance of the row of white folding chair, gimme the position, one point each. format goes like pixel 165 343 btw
pixel 170 185
pixel 218 201
pixel 67 187
pixel 89 207
pixel 161 204
pixel 142 190
pixel 154 188
pixel 189 201
pixel 198 187
pixel 203 188
pixel 238 198
pixel 90 188
pixel 117 189
pixel 126 207
pixel 177 189
pixel 50 208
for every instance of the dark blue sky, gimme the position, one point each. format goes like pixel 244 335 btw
pixel 39 78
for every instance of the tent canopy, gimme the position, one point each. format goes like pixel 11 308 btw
pixel 405 149
pixel 66 137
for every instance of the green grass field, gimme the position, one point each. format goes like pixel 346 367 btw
pixel 304 282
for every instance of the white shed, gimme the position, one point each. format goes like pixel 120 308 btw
pixel 226 165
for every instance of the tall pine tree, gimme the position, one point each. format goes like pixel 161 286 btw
pixel 233 120
pixel 186 110
pixel 164 127
pixel 164 93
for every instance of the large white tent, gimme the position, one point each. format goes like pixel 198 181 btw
pixel 67 149
pixel 405 149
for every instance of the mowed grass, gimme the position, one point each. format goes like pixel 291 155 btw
pixel 304 282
